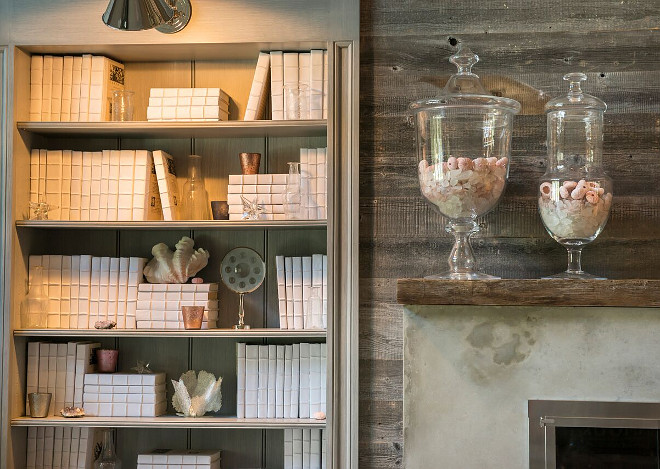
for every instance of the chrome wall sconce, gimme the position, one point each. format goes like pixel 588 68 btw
pixel 167 16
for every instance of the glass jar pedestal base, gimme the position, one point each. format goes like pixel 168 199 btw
pixel 462 265
pixel 574 270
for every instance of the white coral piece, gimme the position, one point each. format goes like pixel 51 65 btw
pixel 177 266
pixel 194 396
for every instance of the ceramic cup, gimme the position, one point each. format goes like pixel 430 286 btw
pixel 192 316
pixel 220 209
pixel 39 404
pixel 249 162
pixel 107 360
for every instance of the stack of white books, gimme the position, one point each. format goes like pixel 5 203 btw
pixel 179 459
pixel 124 395
pixel 304 448
pixel 73 88
pixel 265 189
pixel 302 288
pixel 159 305
pixel 83 289
pixel 313 169
pixel 60 370
pixel 299 70
pixel 188 104
pixel 281 381
pixel 61 447
pixel 108 185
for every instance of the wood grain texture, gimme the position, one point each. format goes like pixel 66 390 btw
pixel 525 47
pixel 530 292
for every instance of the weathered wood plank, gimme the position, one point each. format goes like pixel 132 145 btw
pixel 530 292
pixel 381 380
pixel 380 455
pixel 381 334
pixel 381 421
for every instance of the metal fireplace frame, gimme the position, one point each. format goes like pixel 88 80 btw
pixel 545 416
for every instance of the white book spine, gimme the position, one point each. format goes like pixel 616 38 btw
pixel 76 185
pixel 251 381
pixel 95 192
pixel 85 363
pixel 49 443
pixel 52 376
pixel 295 382
pixel 314 379
pixel 315 448
pixel 94 292
pixel 70 373
pixel 67 79
pixel 288 448
pixel 304 83
pixel 54 290
pixel 75 447
pixel 57 448
pixel 316 85
pixel 324 377
pixel 277 85
pixel 66 447
pixel 325 84
pixel 288 275
pixel 288 356
pixel 41 441
pixel 272 382
pixel 125 197
pixel 104 289
pixel 65 211
pixel 306 448
pixel 325 292
pixel 135 277
pixel 167 185
pixel 312 184
pixel 96 89
pixel 322 182
pixel 75 88
pixel 281 290
pixel 75 292
pixel 31 458
pixel 262 404
pixel 141 180
pixel 306 291
pixel 113 185
pixel 43 172
pixel 65 295
pixel 304 412
pixel 291 102
pixel 105 185
pixel 32 378
pixel 257 100
pixel 240 376
pixel 323 449
pixel 85 80
pixel 113 293
pixel 44 350
pixel 279 383
pixel 84 292
pixel 47 88
pixel 298 448
pixel 86 186
pixel 56 89
pixel 36 84
pixel 122 293
pixel 298 322
pixel 34 177
pixel 54 183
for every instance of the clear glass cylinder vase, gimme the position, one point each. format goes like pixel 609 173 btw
pixel 34 307
pixel 294 196
pixel 195 201
pixel 108 458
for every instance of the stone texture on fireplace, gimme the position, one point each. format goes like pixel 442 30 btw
pixel 469 372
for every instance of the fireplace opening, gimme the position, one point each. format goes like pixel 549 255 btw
pixel 584 435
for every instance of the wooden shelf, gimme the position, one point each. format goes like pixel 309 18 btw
pixel 143 129
pixel 529 292
pixel 167 421
pixel 173 225
pixel 256 333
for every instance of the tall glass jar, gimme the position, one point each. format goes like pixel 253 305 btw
pixel 294 194
pixel 108 458
pixel 34 307
pixel 575 194
pixel 195 198
pixel 463 148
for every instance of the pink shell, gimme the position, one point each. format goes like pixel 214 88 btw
pixel 592 197
pixel 569 185
pixel 502 162
pixel 464 164
pixel 600 191
pixel 546 189
pixel 492 161
pixel 578 192
pixel 452 163
pixel 197 280
pixel 564 193
pixel 480 164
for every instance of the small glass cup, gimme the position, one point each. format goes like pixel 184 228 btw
pixel 296 102
pixel 193 316
pixel 121 106
pixel 39 404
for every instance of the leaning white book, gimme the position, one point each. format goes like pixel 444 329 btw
pixel 325 292
pixel 256 105
pixel 146 196
pixel 167 185
pixel 85 363
pixel 36 83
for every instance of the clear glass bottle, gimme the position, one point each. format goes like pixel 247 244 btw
pixel 463 148
pixel 34 307
pixel 195 203
pixel 315 308
pixel 108 458
pixel 294 203
pixel 575 194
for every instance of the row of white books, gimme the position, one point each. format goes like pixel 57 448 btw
pixel 159 305
pixel 179 459
pixel 281 381
pixel 59 369
pixel 108 185
pixel 188 104
pixel 314 178
pixel 267 190
pixel 82 290
pixel 304 448
pixel 302 291
pixel 73 88
pixel 294 70
pixel 124 395
pixel 61 447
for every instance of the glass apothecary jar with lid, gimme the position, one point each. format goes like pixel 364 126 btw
pixel 463 148
pixel 575 194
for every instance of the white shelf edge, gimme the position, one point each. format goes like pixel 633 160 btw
pixel 233 333
pixel 181 224
pixel 167 421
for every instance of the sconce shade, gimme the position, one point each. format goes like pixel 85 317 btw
pixel 137 15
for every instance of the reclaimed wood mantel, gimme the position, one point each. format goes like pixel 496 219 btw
pixel 529 292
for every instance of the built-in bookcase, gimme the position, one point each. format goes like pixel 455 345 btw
pixel 245 443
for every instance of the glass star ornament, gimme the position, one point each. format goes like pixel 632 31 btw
pixel 252 210
pixel 142 368
pixel 39 210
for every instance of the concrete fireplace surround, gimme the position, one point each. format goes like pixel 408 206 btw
pixel 469 372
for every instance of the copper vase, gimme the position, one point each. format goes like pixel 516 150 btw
pixel 106 360
pixel 249 162
pixel 192 316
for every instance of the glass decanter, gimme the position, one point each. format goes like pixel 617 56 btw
pixel 315 307
pixel 575 194
pixel 34 307
pixel 463 147
pixel 108 458
pixel 195 203
pixel 294 194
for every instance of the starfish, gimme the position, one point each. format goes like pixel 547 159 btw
pixel 252 210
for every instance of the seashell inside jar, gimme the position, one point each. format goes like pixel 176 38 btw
pixel 575 211
pixel 464 187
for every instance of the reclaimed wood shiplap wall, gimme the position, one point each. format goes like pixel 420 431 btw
pixel 525 47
